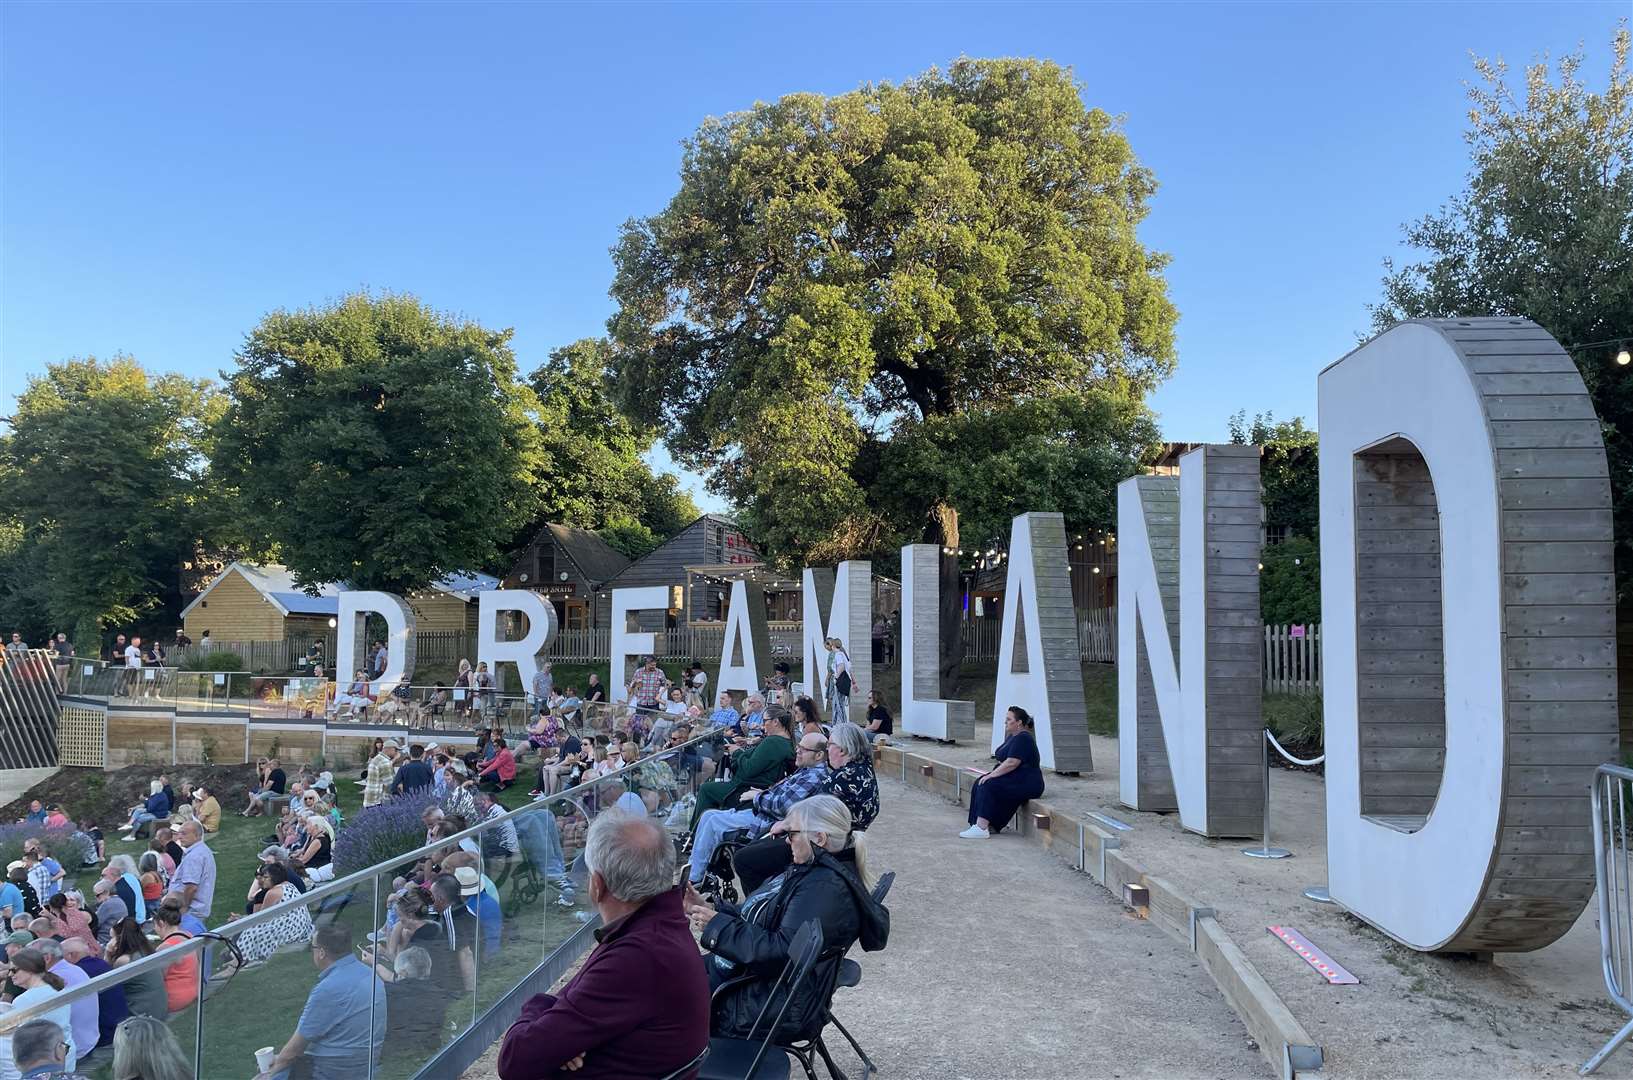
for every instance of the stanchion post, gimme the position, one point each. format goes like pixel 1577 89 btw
pixel 1264 850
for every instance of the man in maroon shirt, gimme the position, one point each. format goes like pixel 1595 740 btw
pixel 639 1007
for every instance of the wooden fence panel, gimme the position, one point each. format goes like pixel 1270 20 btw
pixel 1292 661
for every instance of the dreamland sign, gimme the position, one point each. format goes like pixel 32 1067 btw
pixel 1468 636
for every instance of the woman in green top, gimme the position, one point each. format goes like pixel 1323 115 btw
pixel 752 768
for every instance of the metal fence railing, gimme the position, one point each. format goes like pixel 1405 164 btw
pixel 1613 876
pixel 532 918
pixel 29 687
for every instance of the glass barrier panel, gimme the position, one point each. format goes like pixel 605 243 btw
pixel 277 985
pixel 412 958
pixel 527 897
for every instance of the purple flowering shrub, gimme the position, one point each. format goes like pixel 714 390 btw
pixel 383 832
pixel 70 847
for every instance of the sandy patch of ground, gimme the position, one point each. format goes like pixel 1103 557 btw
pixel 1413 1015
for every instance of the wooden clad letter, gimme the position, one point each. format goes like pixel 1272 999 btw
pixel 1470 683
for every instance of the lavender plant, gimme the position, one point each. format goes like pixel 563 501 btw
pixel 382 832
pixel 68 846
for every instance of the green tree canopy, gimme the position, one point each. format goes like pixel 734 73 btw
pixel 1289 469
pixel 837 273
pixel 1065 452
pixel 101 495
pixel 629 537
pixel 598 475
pixel 1544 229
pixel 377 441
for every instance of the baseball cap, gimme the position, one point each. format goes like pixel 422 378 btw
pixel 470 882
pixel 18 938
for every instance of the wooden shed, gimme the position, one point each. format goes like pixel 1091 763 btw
pixel 568 566
pixel 250 602
pixel 255 602
pixel 712 541
pixel 450 606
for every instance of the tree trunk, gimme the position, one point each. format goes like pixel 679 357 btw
pixel 941 529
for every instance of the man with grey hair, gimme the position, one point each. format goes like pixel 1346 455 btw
pixel 194 879
pixel 763 809
pixel 39 1049
pixel 850 779
pixel 639 1006
pixel 83 1014
pixel 111 1004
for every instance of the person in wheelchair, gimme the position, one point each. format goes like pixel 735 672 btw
pixel 850 778
pixel 761 809
pixel 748 945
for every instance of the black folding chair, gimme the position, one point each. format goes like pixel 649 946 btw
pixel 850 974
pixel 758 1059
pixel 688 1071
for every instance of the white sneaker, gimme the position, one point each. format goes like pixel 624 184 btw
pixel 975 832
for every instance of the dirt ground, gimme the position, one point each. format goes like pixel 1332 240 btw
pixel 1413 1015
pixel 97 797
pixel 1005 965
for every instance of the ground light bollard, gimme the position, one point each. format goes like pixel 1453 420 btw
pixel 1264 850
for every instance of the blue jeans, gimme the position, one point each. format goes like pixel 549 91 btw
pixel 713 825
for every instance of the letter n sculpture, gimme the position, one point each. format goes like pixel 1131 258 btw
pixel 1190 644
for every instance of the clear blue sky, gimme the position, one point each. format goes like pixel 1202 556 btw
pixel 172 172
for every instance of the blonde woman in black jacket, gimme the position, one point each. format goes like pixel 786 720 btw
pixel 829 881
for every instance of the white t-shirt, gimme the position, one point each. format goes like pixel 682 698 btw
pixel 700 680
pixel 133 656
pixel 675 708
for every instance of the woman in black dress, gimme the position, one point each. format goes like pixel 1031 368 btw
pixel 1000 792
pixel 880 722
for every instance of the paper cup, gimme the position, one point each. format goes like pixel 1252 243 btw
pixel 263 1058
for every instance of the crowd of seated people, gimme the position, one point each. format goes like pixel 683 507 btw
pixel 804 798
pixel 71 946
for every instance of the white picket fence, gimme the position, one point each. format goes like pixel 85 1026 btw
pixel 1292 659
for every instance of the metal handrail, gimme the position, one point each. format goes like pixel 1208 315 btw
pixel 1615 897
pixel 164 958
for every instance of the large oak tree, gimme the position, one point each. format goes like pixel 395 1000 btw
pixel 838 277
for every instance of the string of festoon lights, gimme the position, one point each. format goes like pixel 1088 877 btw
pixel 994 554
